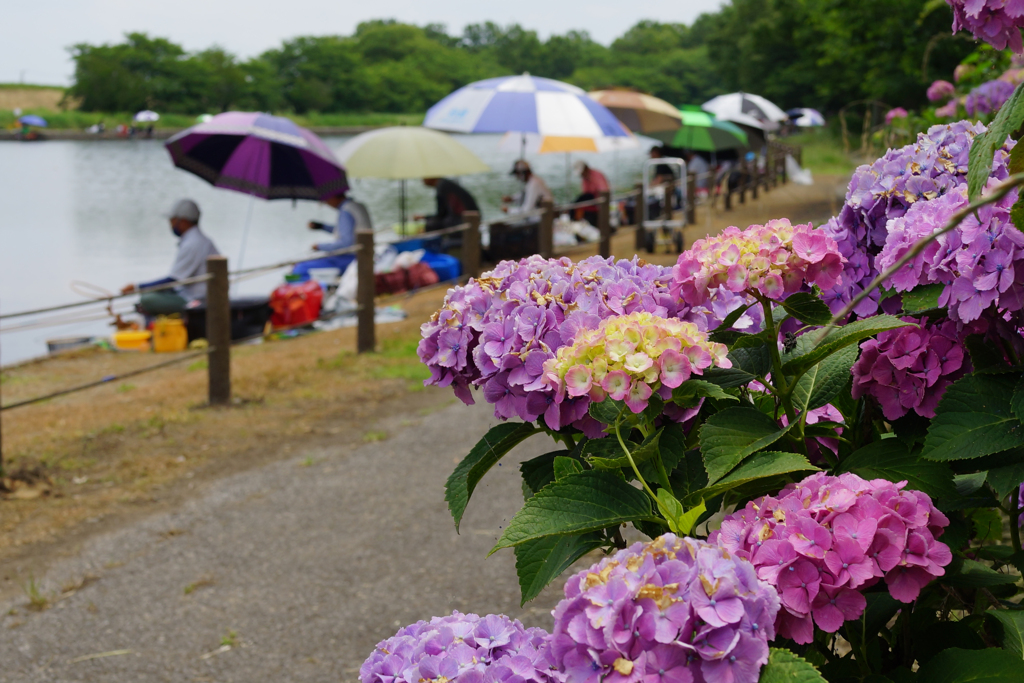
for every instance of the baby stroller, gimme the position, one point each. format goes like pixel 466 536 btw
pixel 663 230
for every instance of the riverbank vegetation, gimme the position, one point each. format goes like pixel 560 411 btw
pixel 798 54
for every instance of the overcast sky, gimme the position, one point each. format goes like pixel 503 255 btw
pixel 34 37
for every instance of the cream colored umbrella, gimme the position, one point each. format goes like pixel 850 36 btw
pixel 644 114
pixel 405 152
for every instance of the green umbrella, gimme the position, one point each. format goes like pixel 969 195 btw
pixel 703 132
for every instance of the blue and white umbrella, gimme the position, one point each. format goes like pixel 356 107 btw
pixel 565 117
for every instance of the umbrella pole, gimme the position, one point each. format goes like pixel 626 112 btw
pixel 568 178
pixel 245 231
pixel 522 146
pixel 401 202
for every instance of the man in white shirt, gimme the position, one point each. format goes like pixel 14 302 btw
pixel 194 248
pixel 352 216
pixel 534 191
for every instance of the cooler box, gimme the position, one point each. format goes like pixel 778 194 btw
pixel 296 304
pixel 447 267
pixel 249 315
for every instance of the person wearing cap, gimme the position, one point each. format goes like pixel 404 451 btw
pixel 352 216
pixel 534 191
pixel 194 248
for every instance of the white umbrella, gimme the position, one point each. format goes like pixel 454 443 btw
pixel 804 117
pixel 405 152
pixel 147 116
pixel 747 109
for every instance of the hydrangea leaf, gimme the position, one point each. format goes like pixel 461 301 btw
pixel 689 477
pixel 730 436
pixel 1017 400
pixel 956 665
pixel 539 472
pixel 606 411
pixel 890 459
pixel 922 298
pixel 785 666
pixel 605 450
pixel 807 308
pixel 1006 479
pixel 972 574
pixel 986 357
pixel 580 503
pixel 759 466
pixel 1012 623
pixel 488 451
pixel 689 393
pixel 565 466
pixel 817 386
pixel 616 459
pixel 974 418
pixel 540 561
pixel 1007 123
pixel 748 363
pixel 838 339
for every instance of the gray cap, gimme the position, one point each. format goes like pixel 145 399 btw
pixel 186 209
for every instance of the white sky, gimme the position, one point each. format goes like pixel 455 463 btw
pixel 34 37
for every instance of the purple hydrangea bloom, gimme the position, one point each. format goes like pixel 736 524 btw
pixel 920 172
pixel 461 648
pixel 675 610
pixel 497 331
pixel 988 97
pixel 980 262
pixel 940 90
pixel 824 540
pixel 997 22
pixel 910 368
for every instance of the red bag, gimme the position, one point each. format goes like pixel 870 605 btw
pixel 391 283
pixel 296 304
pixel 421 275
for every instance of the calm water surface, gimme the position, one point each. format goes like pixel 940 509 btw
pixel 93 212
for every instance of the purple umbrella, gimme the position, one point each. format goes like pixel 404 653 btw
pixel 259 154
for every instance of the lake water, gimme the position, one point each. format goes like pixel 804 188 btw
pixel 93 212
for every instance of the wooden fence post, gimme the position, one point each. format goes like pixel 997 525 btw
pixel 604 224
pixel 218 331
pixel 691 198
pixel 366 291
pixel 640 216
pixel 471 244
pixel 744 181
pixel 546 230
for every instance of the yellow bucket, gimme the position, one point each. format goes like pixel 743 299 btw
pixel 169 334
pixel 132 340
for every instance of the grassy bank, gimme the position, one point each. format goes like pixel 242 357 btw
pixel 79 120
pixel 823 152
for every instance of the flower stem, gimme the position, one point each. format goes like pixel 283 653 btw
pixel 629 457
pixel 1014 523
pixel 778 379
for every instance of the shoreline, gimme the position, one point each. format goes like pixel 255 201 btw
pixel 161 134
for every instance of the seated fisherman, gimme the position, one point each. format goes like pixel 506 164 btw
pixel 352 216
pixel 194 248
pixel 453 200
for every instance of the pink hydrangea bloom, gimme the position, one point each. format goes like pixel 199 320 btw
pixel 773 260
pixel 910 368
pixel 628 357
pixel 997 22
pixel 948 110
pixel 675 610
pixel 940 90
pixel 823 541
pixel 895 113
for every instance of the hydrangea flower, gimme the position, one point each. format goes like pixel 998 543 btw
pixel 895 113
pixel 921 172
pixel 824 540
pixel 629 358
pixel 675 610
pixel 909 368
pixel 981 262
pixel 461 648
pixel 997 22
pixel 988 97
pixel 948 110
pixel 773 260
pixel 940 90
pixel 497 331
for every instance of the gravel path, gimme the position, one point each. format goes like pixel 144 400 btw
pixel 302 566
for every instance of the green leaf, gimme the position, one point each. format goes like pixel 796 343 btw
pixel 606 411
pixel 540 471
pixel 759 466
pixel 1017 213
pixel 488 451
pixel 733 316
pixel 974 418
pixel 1012 623
pixel 807 308
pixel 690 477
pixel 973 574
pixel 581 503
pixel 565 466
pixel 785 666
pixel 821 383
pixel 986 357
pixel 922 298
pixel 691 391
pixel 972 666
pixel 1017 400
pixel 642 453
pixel 890 459
pixel 1005 480
pixel 540 561
pixel 748 363
pixel 1006 123
pixel 689 518
pixel 733 434
pixel 840 338
pixel 671 509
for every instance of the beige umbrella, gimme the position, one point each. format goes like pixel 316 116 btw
pixel 644 114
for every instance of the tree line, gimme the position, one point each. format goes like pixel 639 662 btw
pixel 795 52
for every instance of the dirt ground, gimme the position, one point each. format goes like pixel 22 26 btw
pixel 108 456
